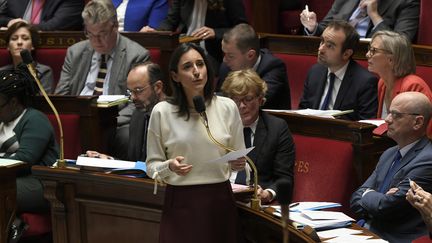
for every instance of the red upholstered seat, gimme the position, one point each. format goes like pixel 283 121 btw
pixel 424 35
pixel 423 239
pixel 324 170
pixel 155 55
pixel 297 68
pixel 4 57
pixel 71 134
pixel 248 10
pixel 425 73
pixel 39 224
pixel 52 57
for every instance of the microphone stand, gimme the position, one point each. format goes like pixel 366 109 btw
pixel 255 202
pixel 61 163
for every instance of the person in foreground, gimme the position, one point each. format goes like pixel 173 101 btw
pixel 337 81
pixel 381 199
pixel 422 201
pixel 199 205
pixel 20 36
pixel 145 88
pixel 274 151
pixel 25 135
pixel 391 56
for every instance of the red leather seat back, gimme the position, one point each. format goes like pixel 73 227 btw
pixel 324 170
pixel 52 57
pixel 423 239
pixel 71 134
pixel 155 55
pixel 248 10
pixel 4 57
pixel 297 68
pixel 39 224
pixel 424 34
pixel 425 73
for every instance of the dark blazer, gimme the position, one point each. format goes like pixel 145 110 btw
pixel 273 71
pixel 358 91
pixel 56 14
pixel 391 216
pixel 179 18
pixel 274 152
pixel 398 15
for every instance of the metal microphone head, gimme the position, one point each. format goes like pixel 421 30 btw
pixel 199 104
pixel 26 56
pixel 283 192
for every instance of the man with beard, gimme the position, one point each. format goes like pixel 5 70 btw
pixel 145 87
pixel 337 82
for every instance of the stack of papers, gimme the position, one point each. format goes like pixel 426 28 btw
pixel 346 235
pixel 321 220
pixel 302 206
pixel 111 100
pixel 9 162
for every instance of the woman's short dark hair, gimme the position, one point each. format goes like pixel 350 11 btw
pixel 178 97
pixel 34 34
pixel 17 83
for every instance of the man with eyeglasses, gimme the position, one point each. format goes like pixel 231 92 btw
pixel 274 151
pixel 337 82
pixel 368 17
pixel 145 87
pixel 241 49
pixel 101 64
pixel 380 201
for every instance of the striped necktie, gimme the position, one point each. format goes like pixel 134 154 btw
pixel 36 11
pixel 98 90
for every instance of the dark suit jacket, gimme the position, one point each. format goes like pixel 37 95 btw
pixel 274 152
pixel 179 18
pixel 391 216
pixel 399 15
pixel 358 91
pixel 137 146
pixel 273 71
pixel 56 14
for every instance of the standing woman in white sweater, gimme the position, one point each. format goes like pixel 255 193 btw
pixel 199 205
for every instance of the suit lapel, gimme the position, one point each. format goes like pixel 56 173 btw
pixel 412 153
pixel 85 64
pixel 259 138
pixel 320 88
pixel 344 88
pixel 116 65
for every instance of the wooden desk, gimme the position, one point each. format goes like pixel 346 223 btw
pixel 96 124
pixel 95 207
pixel 8 198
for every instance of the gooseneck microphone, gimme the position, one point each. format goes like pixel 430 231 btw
pixel 200 108
pixel 28 61
pixel 283 189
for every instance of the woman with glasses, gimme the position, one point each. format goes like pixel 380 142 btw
pixel 199 205
pixel 20 36
pixel 391 56
pixel 26 135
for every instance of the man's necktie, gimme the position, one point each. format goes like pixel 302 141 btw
pixel 241 175
pixel 390 173
pixel 98 90
pixel 327 99
pixel 36 11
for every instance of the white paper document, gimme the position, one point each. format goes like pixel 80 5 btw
pixel 376 122
pixel 109 98
pixel 301 206
pixel 322 215
pixel 313 112
pixel 326 234
pixel 322 224
pixel 232 155
pixel 9 162
pixel 350 239
pixel 105 163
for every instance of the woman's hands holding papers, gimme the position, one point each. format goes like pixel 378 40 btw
pixel 177 167
pixel 238 164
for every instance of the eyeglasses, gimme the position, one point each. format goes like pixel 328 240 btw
pixel 103 35
pixel 373 50
pixel 136 91
pixel 245 100
pixel 398 115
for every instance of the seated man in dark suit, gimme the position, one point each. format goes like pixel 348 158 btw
pixel 337 82
pixel 368 17
pixel 100 65
pixel 241 48
pixel 274 151
pixel 145 89
pixel 46 15
pixel 380 201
